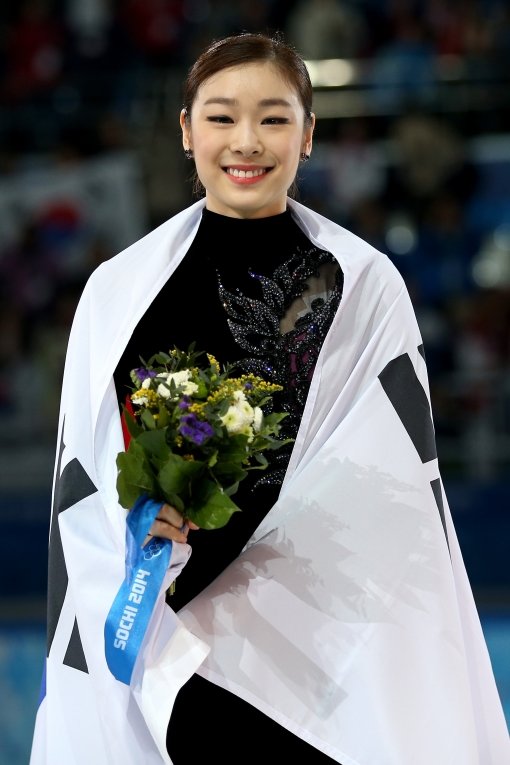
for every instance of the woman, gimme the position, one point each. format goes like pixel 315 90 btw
pixel 331 618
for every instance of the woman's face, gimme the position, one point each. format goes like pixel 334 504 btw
pixel 247 131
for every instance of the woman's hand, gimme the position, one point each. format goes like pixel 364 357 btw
pixel 170 524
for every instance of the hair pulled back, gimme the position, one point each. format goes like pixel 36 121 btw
pixel 249 48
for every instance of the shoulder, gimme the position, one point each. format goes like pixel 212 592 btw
pixel 150 254
pixel 124 282
pixel 358 259
pixel 170 233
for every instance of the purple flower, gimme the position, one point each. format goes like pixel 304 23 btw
pixel 184 403
pixel 195 430
pixel 248 385
pixel 142 373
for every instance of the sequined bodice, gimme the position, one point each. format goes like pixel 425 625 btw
pixel 280 341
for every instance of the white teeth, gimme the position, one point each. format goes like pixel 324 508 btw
pixel 245 173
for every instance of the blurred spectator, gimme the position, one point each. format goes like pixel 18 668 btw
pixel 20 408
pixel 356 167
pixel 89 20
pixel 100 65
pixel 403 70
pixel 429 156
pixel 441 264
pixel 11 351
pixel 157 29
pixel 326 29
pixel 49 344
pixel 368 219
pixel 445 21
pixel 501 38
pixel 481 352
pixel 28 274
pixel 34 52
pixel 34 60
pixel 49 250
pixel 212 19
pixel 63 234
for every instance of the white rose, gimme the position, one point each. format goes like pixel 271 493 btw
pixel 232 420
pixel 243 407
pixel 239 417
pixel 163 391
pixel 181 381
pixel 235 421
pixel 179 378
pixel 189 388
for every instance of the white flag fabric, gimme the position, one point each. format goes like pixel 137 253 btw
pixel 348 618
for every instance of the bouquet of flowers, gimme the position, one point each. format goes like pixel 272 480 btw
pixel 196 430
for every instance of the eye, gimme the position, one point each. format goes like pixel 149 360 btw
pixel 275 121
pixel 221 119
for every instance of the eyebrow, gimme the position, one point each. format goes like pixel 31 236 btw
pixel 234 102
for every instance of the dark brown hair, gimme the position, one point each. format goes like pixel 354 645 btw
pixel 249 48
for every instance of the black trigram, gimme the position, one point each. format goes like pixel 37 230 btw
pixel 72 485
pixel 408 397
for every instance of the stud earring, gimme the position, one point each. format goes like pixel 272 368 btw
pixel 304 157
pixel 188 153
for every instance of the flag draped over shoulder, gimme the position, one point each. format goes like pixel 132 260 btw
pixel 348 618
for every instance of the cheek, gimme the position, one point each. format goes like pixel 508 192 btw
pixel 290 147
pixel 289 156
pixel 205 155
pixel 205 143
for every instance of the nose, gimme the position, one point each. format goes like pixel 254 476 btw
pixel 245 139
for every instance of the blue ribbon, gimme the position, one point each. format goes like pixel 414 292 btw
pixel 132 608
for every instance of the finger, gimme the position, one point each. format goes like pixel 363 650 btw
pixel 168 531
pixel 170 515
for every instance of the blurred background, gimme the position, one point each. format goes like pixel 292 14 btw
pixel 412 152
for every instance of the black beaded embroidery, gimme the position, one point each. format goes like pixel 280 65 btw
pixel 287 359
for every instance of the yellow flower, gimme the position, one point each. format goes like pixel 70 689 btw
pixel 213 362
pixel 145 397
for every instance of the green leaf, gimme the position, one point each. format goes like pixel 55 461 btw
pixel 153 443
pixel 227 472
pixel 232 455
pixel 275 443
pixel 148 420
pixel 261 460
pixel 271 422
pixel 202 391
pixel 135 476
pixel 212 508
pixel 213 459
pixel 176 501
pixel 234 448
pixel 160 358
pixel 131 423
pixel 231 490
pixel 163 417
pixel 175 476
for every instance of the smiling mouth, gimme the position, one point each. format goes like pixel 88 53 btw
pixel 255 173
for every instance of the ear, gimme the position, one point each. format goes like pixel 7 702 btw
pixel 186 129
pixel 308 136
